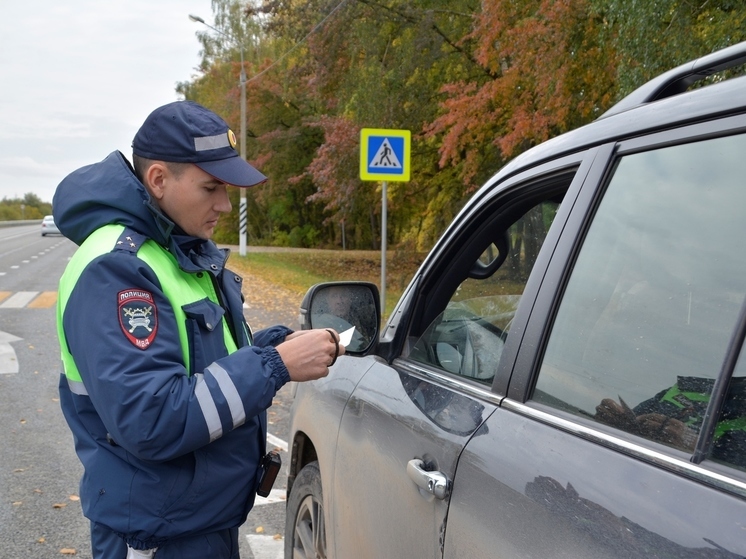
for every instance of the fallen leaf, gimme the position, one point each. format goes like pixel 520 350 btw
pixel 38 491
pixel 277 537
pixel 59 505
pixel 55 399
pixel 259 529
pixel 41 540
pixel 18 470
pixel 30 346
pixel 16 503
pixel 23 421
pixel 74 498
pixel 68 551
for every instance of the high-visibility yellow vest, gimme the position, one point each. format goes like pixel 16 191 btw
pixel 180 288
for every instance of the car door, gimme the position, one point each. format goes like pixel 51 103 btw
pixel 623 430
pixel 406 424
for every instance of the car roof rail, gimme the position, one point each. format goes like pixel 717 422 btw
pixel 681 78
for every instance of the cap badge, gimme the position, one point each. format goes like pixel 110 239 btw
pixel 232 138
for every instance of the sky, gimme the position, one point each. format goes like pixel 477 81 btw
pixel 78 78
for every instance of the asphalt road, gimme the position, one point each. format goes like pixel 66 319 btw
pixel 40 514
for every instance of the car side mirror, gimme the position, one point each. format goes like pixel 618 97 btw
pixel 344 306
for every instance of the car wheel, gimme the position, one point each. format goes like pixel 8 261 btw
pixel 305 531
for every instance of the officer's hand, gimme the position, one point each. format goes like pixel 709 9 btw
pixel 309 356
pixel 296 334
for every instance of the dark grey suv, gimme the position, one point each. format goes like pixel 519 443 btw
pixel 565 375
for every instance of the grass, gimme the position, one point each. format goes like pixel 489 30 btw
pixel 297 270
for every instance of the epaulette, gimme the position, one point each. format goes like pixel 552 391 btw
pixel 130 241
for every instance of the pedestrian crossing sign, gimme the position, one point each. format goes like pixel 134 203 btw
pixel 384 154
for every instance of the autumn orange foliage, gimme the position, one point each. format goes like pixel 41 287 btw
pixel 545 71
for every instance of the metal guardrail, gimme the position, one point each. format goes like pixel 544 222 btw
pixel 20 222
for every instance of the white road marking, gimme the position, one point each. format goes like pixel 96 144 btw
pixel 262 546
pixel 266 547
pixel 276 442
pixel 275 496
pixel 19 300
pixel 8 359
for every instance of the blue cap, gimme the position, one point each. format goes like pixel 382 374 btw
pixel 186 132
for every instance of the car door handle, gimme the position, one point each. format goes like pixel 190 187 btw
pixel 432 482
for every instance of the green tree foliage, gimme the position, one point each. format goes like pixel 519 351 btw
pixel 28 207
pixel 477 82
pixel 656 35
pixel 382 66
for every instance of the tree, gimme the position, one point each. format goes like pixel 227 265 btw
pixel 375 65
pixel 28 207
pixel 652 37
pixel 544 70
pixel 477 83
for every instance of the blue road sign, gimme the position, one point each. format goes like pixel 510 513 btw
pixel 384 154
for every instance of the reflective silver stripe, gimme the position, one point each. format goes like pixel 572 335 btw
pixel 209 409
pixel 235 404
pixel 211 142
pixel 77 387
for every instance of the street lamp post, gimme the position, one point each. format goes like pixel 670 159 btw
pixel 242 219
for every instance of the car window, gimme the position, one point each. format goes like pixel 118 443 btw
pixel 645 320
pixel 467 338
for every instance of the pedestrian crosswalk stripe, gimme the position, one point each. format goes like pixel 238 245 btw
pixel 45 300
pixel 19 300
pixel 27 299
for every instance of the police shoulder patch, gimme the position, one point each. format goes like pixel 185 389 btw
pixel 138 316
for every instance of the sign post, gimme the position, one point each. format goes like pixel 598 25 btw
pixel 384 156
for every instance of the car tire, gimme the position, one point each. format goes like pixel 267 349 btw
pixel 305 526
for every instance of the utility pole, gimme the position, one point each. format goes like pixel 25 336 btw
pixel 242 206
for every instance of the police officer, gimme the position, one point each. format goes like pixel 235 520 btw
pixel 165 387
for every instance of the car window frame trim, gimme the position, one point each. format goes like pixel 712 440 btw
pixel 650 452
pixel 580 164
pixel 538 328
pixel 663 458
